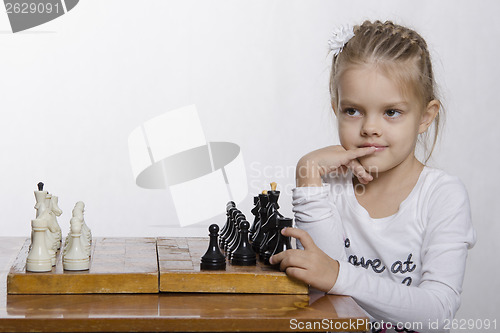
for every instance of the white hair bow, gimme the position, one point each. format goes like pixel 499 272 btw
pixel 340 36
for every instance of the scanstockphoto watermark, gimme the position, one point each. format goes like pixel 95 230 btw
pixel 260 172
pixel 26 14
pixel 378 326
pixel 366 325
pixel 330 325
pixel 352 325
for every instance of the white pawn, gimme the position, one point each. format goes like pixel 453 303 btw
pixel 79 212
pixel 39 259
pixel 76 258
pixel 76 213
pixel 84 241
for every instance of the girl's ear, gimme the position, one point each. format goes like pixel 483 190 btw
pixel 428 116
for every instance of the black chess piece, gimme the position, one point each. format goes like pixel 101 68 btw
pixel 229 205
pixel 224 231
pixel 244 255
pixel 256 220
pixel 228 236
pixel 233 213
pixel 259 233
pixel 284 242
pixel 40 186
pixel 269 228
pixel 271 240
pixel 233 236
pixel 237 237
pixel 213 259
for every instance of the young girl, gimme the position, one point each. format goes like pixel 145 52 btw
pixel 373 221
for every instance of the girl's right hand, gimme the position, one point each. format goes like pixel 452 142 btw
pixel 313 166
pixel 311 265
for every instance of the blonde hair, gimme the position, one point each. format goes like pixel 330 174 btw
pixel 400 52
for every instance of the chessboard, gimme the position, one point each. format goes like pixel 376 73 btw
pixel 117 265
pixel 148 265
pixel 179 265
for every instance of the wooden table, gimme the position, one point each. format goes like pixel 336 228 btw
pixel 171 311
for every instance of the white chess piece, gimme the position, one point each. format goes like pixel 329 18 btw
pixel 86 237
pixel 76 258
pixel 79 211
pixel 85 242
pixel 67 243
pixel 41 199
pixel 39 259
pixel 56 211
pixel 50 241
pixel 76 212
pixel 46 206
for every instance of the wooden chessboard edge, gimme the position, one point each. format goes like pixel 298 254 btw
pixel 83 284
pixel 22 282
pixel 210 283
pixel 229 271
pixel 20 256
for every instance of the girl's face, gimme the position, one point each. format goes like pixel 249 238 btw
pixel 373 111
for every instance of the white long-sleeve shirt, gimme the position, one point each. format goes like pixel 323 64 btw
pixel 405 268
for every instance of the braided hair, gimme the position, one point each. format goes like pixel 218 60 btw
pixel 399 52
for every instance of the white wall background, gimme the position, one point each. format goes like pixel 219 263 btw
pixel 72 90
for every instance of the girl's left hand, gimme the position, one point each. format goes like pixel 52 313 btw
pixel 310 265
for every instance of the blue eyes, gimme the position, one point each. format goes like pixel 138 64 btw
pixel 351 112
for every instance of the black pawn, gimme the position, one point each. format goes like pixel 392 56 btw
pixel 223 233
pixel 213 259
pixel 244 255
pixel 284 242
pixel 40 186
pixel 233 236
pixel 237 238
